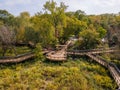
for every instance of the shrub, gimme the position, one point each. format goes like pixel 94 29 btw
pixel 38 52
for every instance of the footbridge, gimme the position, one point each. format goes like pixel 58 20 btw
pixel 113 69
pixel 18 58
pixel 61 55
pixel 92 51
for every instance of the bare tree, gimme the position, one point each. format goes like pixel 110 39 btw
pixel 7 39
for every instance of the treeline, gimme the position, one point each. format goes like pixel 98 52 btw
pixel 55 25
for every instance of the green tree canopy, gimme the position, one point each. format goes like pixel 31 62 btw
pixel 57 15
pixel 90 39
pixel 22 22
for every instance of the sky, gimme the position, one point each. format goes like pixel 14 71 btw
pixel 15 7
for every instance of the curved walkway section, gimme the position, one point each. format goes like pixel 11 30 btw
pixel 59 55
pixel 18 58
pixel 115 72
pixel 93 51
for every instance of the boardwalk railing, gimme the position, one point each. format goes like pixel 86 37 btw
pixel 93 51
pixel 18 58
pixel 58 55
pixel 61 56
pixel 115 72
pixel 56 58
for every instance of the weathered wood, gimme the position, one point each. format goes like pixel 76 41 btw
pixel 17 59
pixel 60 55
pixel 83 52
pixel 115 72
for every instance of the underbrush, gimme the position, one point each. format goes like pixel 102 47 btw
pixel 78 74
pixel 18 50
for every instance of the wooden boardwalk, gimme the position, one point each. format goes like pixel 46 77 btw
pixel 60 55
pixel 94 51
pixel 18 58
pixel 114 71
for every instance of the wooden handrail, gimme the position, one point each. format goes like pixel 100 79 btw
pixel 115 72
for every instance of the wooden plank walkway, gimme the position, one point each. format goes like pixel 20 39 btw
pixel 58 55
pixel 61 55
pixel 17 59
pixel 115 72
pixel 95 51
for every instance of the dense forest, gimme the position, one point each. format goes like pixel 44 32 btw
pixel 48 28
pixel 55 25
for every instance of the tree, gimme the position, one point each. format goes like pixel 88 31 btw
pixel 7 39
pixel 90 39
pixel 102 32
pixel 38 52
pixel 7 19
pixel 22 22
pixel 74 27
pixel 80 15
pixel 44 30
pixel 58 17
pixel 31 35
